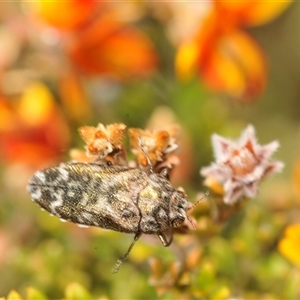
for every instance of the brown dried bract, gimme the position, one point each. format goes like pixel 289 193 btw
pixel 154 144
pixel 104 142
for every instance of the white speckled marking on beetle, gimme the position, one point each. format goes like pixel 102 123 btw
pixel 35 193
pixel 58 202
pixel 63 172
pixel 41 176
pixel 70 193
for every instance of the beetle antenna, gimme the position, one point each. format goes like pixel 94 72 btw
pixel 199 200
pixel 192 222
pixel 192 207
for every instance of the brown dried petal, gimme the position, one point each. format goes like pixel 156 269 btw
pixel 116 133
pixel 101 147
pixel 87 133
pixel 134 134
pixel 162 140
pixel 100 135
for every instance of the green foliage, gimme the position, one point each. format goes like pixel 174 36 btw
pixel 73 291
pixel 236 258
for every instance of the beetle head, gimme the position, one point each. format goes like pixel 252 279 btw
pixel 179 204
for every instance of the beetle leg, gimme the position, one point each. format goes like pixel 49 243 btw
pixel 164 240
pixel 120 260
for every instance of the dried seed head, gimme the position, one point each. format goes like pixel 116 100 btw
pixel 102 142
pixel 240 165
pixel 156 145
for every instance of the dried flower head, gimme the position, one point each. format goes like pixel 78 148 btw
pixel 102 142
pixel 156 144
pixel 240 165
pixel 175 275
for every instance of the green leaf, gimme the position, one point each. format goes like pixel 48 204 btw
pixel 74 291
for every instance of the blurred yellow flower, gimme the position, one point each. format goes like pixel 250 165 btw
pixel 289 245
pixel 36 104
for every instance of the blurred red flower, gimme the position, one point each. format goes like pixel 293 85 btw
pixel 98 40
pixel 114 48
pixel 32 132
pixel 227 57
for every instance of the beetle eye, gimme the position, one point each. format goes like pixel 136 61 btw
pixel 177 222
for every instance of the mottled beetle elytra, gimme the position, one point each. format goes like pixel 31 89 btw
pixel 119 198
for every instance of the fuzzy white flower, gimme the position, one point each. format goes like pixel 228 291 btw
pixel 240 165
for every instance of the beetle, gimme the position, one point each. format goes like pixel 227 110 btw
pixel 119 198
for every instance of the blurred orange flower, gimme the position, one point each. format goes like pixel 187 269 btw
pixel 251 13
pixel 289 245
pixel 33 132
pixel 113 48
pixel 98 41
pixel 66 15
pixel 226 56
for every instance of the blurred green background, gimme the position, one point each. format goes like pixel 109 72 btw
pixel 241 259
